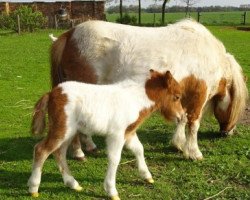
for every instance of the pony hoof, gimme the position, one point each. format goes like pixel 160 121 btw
pixel 34 194
pixel 115 198
pixel 81 159
pixel 150 180
pixel 78 188
pixel 199 158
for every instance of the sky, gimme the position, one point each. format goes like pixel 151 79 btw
pixel 200 3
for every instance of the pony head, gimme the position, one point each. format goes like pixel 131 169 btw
pixel 166 92
pixel 230 102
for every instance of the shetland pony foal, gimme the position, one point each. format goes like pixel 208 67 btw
pixel 114 111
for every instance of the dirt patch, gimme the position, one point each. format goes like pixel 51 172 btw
pixel 246 117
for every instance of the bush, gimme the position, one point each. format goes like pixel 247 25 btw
pixel 127 19
pixel 29 20
pixel 6 22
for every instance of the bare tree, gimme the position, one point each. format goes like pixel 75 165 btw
pixel 120 6
pixel 163 11
pixel 189 3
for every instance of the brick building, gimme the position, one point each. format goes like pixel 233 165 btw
pixel 76 9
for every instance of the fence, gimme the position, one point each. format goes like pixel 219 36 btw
pixel 235 18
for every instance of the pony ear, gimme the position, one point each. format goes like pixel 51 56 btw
pixel 168 79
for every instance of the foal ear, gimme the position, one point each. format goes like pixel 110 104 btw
pixel 153 73
pixel 168 79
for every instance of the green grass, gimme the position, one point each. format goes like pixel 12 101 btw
pixel 24 76
pixel 209 18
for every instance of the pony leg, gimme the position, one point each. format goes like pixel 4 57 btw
pixel 41 152
pixel 90 145
pixel 134 144
pixel 179 137
pixel 191 149
pixel 77 152
pixel 114 148
pixel 68 179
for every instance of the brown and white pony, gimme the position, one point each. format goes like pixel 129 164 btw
pixel 114 111
pixel 102 52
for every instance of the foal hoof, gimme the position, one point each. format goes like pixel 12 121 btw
pixel 94 151
pixel 35 194
pixel 150 180
pixel 78 188
pixel 115 198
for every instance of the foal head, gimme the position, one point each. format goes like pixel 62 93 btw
pixel 165 91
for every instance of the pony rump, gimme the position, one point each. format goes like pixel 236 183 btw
pixel 38 120
pixel 238 90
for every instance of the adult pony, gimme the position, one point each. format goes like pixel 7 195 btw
pixel 102 52
pixel 88 108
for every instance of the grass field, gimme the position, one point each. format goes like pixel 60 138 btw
pixel 209 18
pixel 24 76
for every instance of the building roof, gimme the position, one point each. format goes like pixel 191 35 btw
pixel 49 1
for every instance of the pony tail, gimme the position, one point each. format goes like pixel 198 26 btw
pixel 238 90
pixel 38 120
pixel 56 53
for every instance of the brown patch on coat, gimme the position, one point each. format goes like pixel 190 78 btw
pixel 194 97
pixel 57 117
pixel 223 115
pixel 165 91
pixel 67 63
pixel 143 115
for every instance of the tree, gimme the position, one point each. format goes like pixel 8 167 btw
pixel 163 11
pixel 120 6
pixel 189 3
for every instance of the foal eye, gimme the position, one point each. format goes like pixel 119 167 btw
pixel 176 97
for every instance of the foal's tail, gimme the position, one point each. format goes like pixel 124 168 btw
pixel 239 92
pixel 38 120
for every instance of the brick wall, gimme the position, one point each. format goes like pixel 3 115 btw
pixel 76 9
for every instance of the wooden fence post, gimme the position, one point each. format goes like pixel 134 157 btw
pixel 244 17
pixel 56 25
pixel 18 25
pixel 198 16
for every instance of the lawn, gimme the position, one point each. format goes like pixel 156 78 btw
pixel 209 18
pixel 24 77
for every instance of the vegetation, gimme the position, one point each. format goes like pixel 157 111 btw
pixel 24 76
pixel 29 20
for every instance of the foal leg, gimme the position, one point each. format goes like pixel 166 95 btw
pixel 60 156
pixel 114 149
pixel 134 144
pixel 90 145
pixel 77 152
pixel 41 152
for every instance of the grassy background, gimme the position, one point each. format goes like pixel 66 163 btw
pixel 24 76
pixel 209 18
